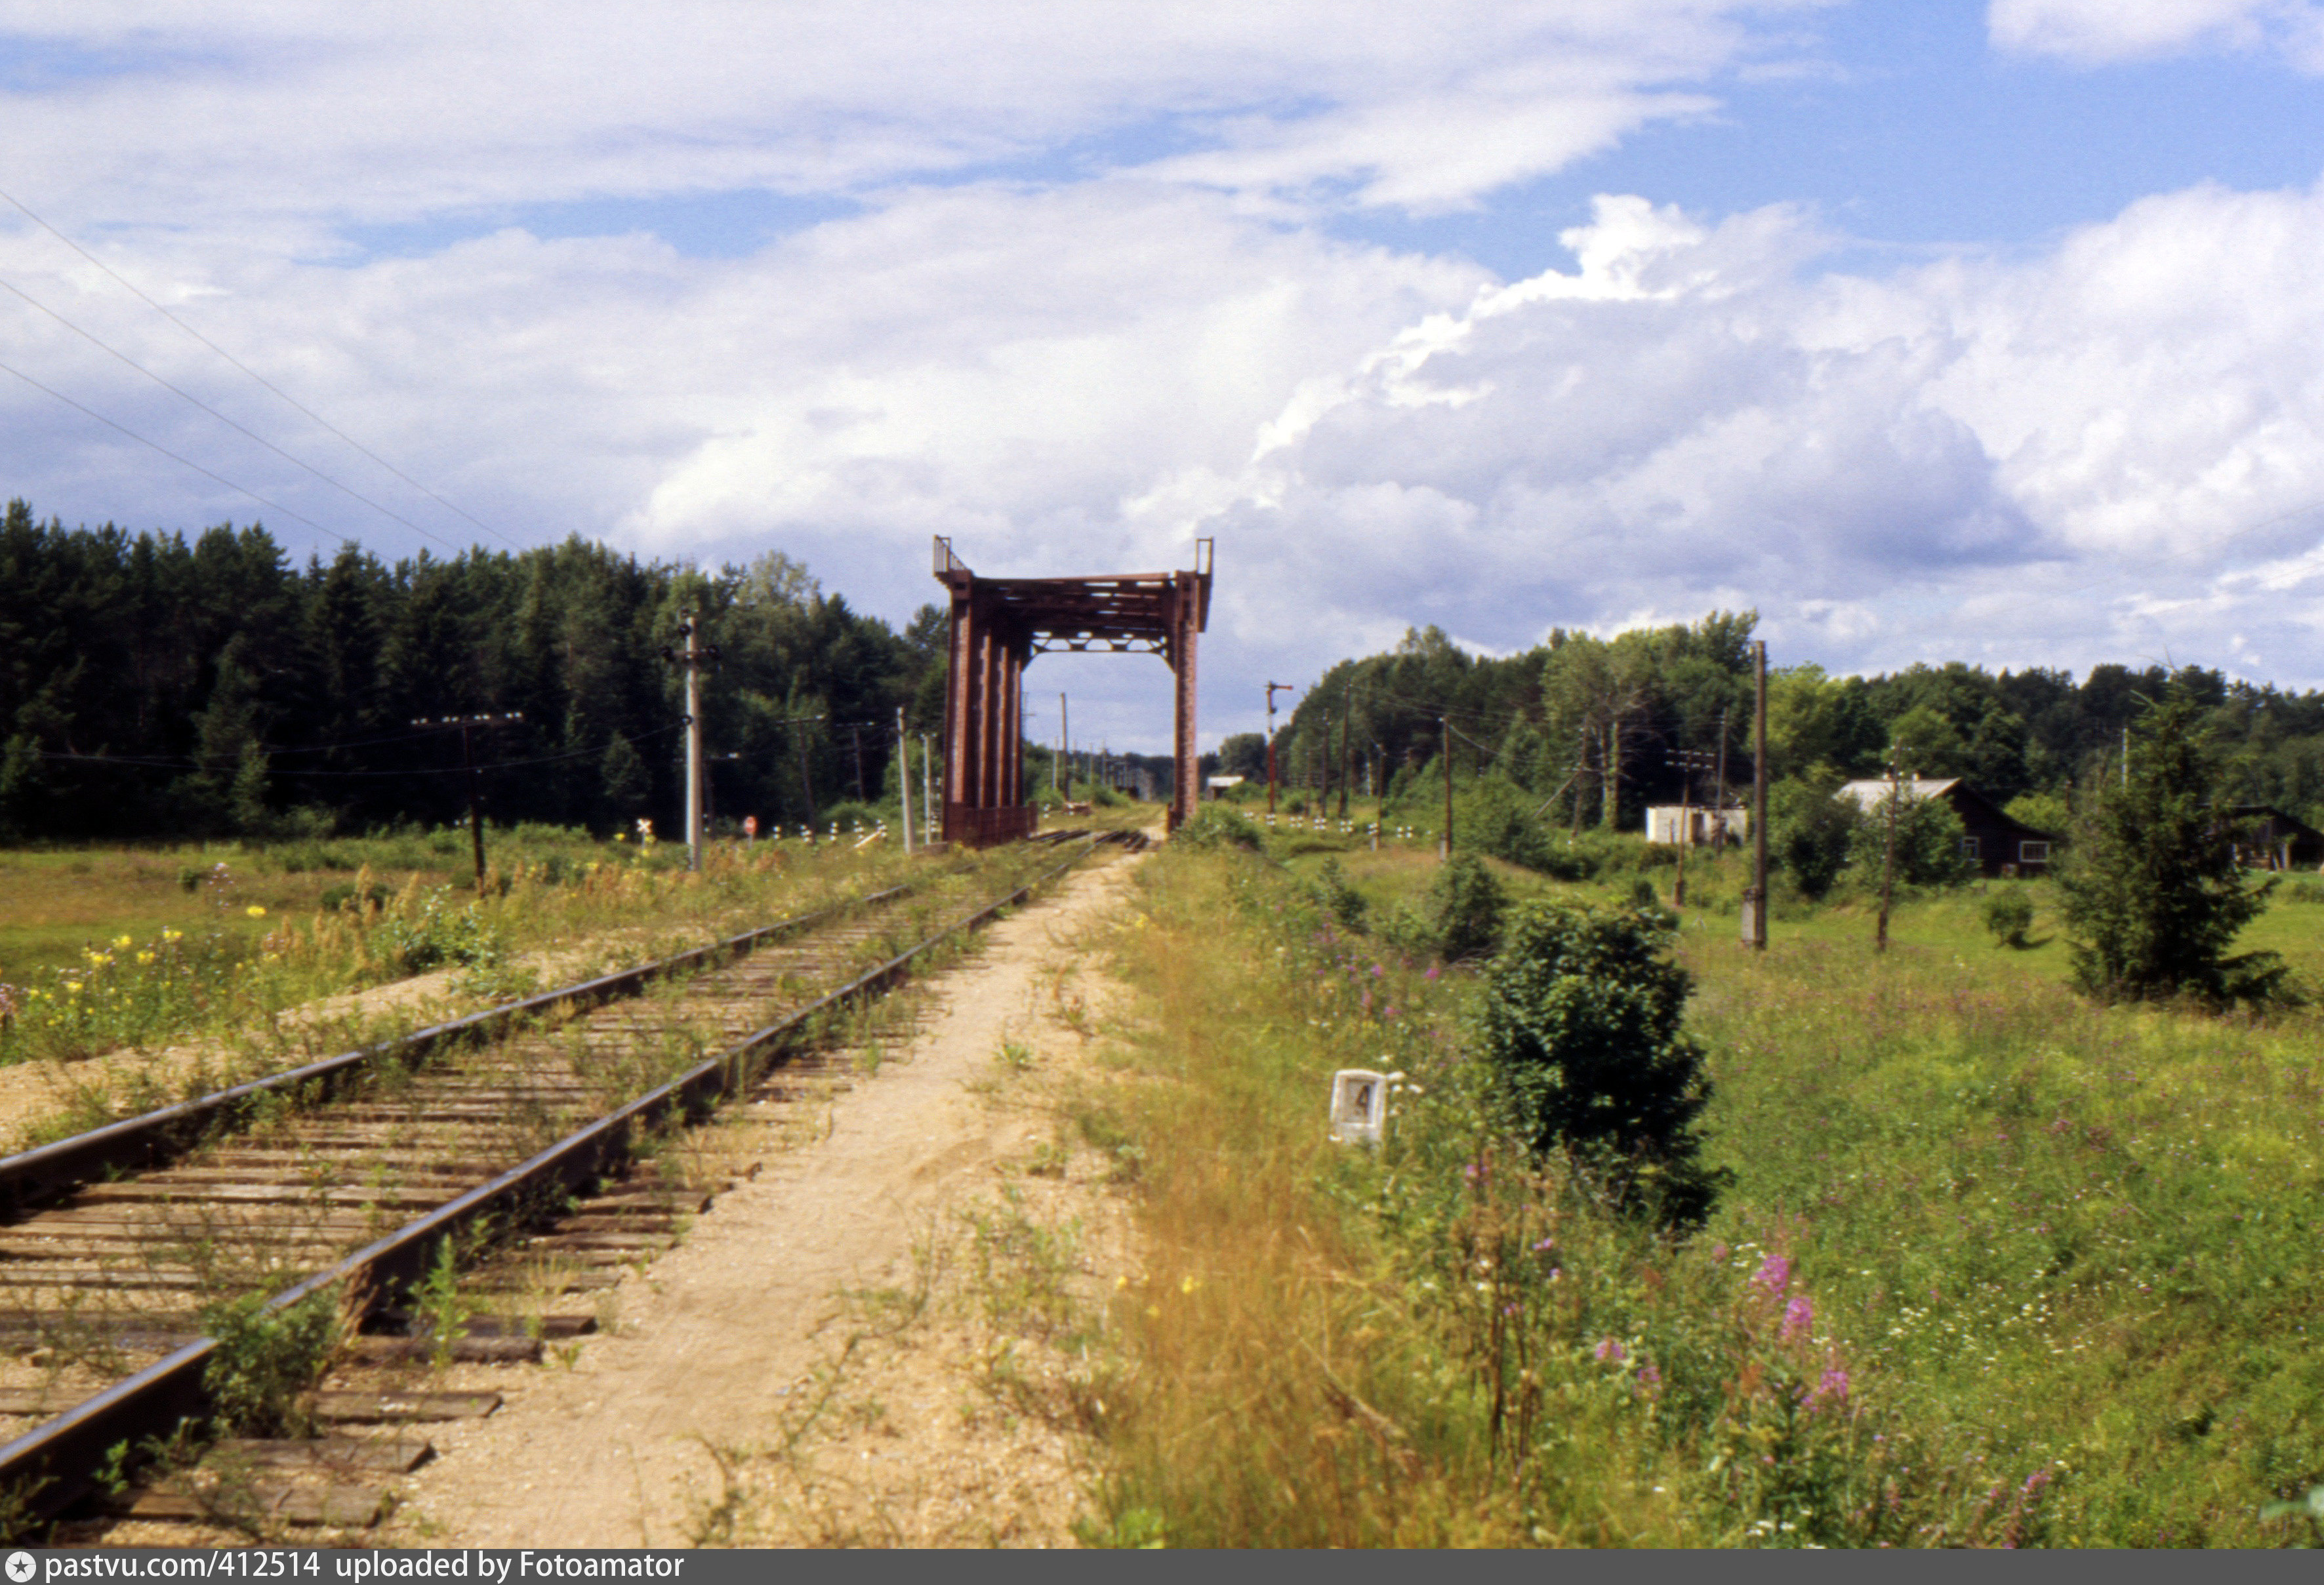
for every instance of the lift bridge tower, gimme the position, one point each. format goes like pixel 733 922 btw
pixel 1000 624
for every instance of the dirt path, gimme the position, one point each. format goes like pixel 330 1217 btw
pixel 742 1398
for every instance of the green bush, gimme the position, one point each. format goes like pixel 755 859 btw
pixel 2009 915
pixel 1928 845
pixel 1580 1025
pixel 266 1361
pixel 1215 826
pixel 438 935
pixel 1345 905
pixel 1465 905
pixel 1809 833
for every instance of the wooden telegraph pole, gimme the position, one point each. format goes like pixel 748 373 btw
pixel 1888 855
pixel 1347 726
pixel 473 774
pixel 1446 723
pixel 1755 902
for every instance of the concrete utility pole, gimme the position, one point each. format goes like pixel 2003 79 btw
pixel 693 656
pixel 904 774
pixel 475 776
pixel 1445 723
pixel 1065 741
pixel 1271 688
pixel 927 787
pixel 1754 901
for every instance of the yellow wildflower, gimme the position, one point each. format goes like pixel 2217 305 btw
pixel 73 986
pixel 256 912
pixel 121 943
pixel 143 958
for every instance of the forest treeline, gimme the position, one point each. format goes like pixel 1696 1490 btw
pixel 152 686
pixel 1592 726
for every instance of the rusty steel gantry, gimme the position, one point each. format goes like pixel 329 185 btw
pixel 1000 624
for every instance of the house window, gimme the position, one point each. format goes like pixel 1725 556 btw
pixel 1970 852
pixel 2033 853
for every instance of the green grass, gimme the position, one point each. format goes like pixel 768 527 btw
pixel 1996 1266
pixel 113 949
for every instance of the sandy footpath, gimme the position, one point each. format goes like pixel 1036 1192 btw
pixel 680 1424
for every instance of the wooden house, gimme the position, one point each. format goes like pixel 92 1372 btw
pixel 2266 838
pixel 1997 844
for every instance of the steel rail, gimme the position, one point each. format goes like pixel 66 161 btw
pixel 52 1169
pixel 51 1465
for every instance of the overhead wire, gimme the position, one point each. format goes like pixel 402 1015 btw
pixel 274 506
pixel 284 395
pixel 239 427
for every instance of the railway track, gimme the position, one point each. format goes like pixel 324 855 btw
pixel 465 1193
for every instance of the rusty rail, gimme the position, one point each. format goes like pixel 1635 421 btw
pixel 54 1464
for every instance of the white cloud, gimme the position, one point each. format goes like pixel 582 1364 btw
pixel 295 115
pixel 2093 31
pixel 2109 450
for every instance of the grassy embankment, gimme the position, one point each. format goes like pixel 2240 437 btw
pixel 103 949
pixel 1996 1267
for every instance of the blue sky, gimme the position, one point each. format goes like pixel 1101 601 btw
pixel 1929 331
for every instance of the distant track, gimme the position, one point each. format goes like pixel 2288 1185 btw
pixel 357 1175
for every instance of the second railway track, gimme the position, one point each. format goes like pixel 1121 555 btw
pixel 350 1191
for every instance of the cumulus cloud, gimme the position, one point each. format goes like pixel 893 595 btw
pixel 2108 451
pixel 2093 31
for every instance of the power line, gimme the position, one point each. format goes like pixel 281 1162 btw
pixel 294 402
pixel 174 456
pixel 230 423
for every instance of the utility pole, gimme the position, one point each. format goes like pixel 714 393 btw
pixel 1689 761
pixel 1888 857
pixel 1445 723
pixel 692 656
pixel 927 787
pixel 1347 726
pixel 1324 765
pixel 1065 742
pixel 1719 804
pixel 856 734
pixel 1754 901
pixel 1271 688
pixel 475 775
pixel 904 774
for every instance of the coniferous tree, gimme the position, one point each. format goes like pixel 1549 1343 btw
pixel 2153 897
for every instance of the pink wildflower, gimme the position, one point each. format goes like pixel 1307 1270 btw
pixel 1798 1316
pixel 1775 1274
pixel 1611 1351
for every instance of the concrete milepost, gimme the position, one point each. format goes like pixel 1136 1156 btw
pixel 1000 624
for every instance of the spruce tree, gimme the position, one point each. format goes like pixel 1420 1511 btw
pixel 2153 897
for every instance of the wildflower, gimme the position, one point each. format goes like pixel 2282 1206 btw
pixel 121 943
pixel 1611 1351
pixel 144 958
pixel 1775 1274
pixel 1650 1375
pixel 1831 1387
pixel 73 986
pixel 255 911
pixel 1432 971
pixel 1547 1243
pixel 1718 1254
pixel 1798 1316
